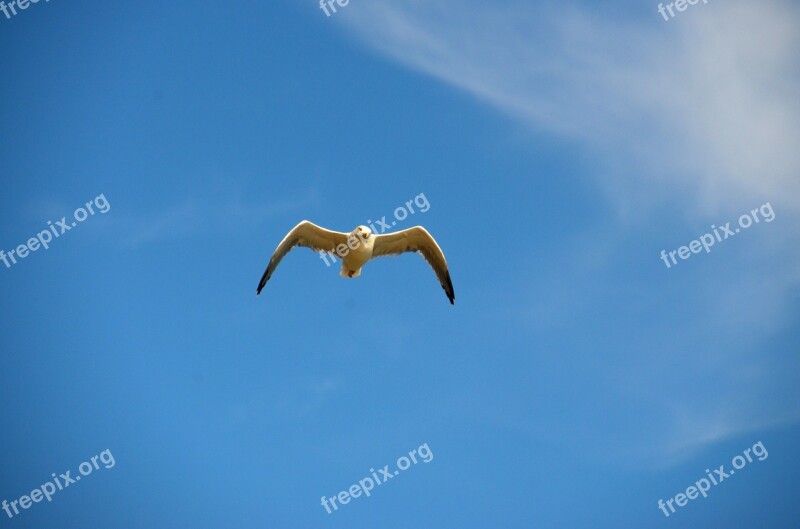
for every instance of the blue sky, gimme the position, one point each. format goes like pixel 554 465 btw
pixel 576 381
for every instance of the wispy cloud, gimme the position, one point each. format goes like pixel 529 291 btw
pixel 192 216
pixel 176 221
pixel 704 103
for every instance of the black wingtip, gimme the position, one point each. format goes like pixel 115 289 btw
pixel 451 294
pixel 263 282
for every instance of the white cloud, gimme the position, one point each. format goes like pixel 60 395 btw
pixel 706 102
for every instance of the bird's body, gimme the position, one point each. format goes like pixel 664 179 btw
pixel 355 259
pixel 359 247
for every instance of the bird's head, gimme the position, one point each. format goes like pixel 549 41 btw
pixel 363 232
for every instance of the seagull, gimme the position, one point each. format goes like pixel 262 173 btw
pixel 361 245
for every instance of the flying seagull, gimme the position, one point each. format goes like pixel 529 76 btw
pixel 359 246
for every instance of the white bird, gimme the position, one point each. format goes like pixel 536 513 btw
pixel 359 246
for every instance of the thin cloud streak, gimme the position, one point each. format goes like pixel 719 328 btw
pixel 194 216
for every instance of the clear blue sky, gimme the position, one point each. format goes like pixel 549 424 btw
pixel 576 381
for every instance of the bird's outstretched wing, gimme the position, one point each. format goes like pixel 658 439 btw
pixel 305 234
pixel 417 239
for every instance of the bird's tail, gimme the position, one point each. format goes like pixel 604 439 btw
pixel 346 272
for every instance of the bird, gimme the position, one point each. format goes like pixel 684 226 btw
pixel 360 246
